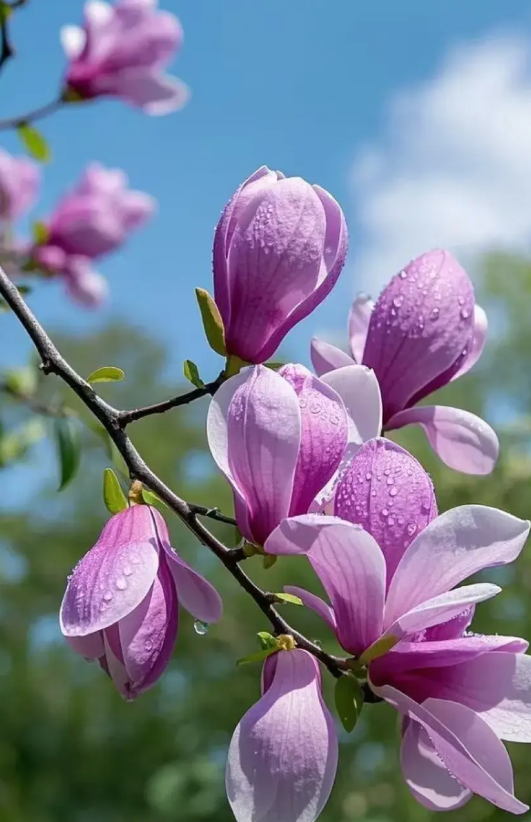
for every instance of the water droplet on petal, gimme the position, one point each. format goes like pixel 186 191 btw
pixel 200 628
pixel 465 314
pixel 128 571
pixel 148 645
pixel 107 596
pixel 393 492
pixel 121 584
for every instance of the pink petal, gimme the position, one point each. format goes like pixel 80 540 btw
pixel 315 603
pixel 274 264
pixel 388 493
pixel 497 686
pixel 420 325
pixel 426 775
pixel 194 592
pixel 114 667
pixel 225 229
pixel 254 429
pixel 351 568
pixel 156 93
pixel 281 766
pixel 475 348
pixel 454 546
pixel 462 440
pixel 90 646
pixel 322 444
pixel 358 325
pixel 326 357
pixel 114 576
pixel 453 628
pixel 470 750
pixel 439 609
pixel 148 634
pixel 358 388
pixel 73 39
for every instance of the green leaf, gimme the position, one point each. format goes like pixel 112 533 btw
pixel 68 449
pixel 275 365
pixel 34 142
pixel 39 232
pixel 5 11
pixel 349 701
pixel 378 648
pixel 16 444
pixel 191 373
pixel 150 498
pixel 259 656
pixel 107 373
pixel 22 380
pixel 212 322
pixel 113 496
pixel 293 600
pixel 266 640
pixel 269 561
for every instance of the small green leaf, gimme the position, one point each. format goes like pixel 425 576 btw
pixel 266 640
pixel 108 373
pixel 191 373
pixel 40 232
pixel 269 561
pixel 293 600
pixel 212 322
pixel 34 142
pixel 274 365
pixel 5 11
pixel 16 444
pixel 259 656
pixel 378 648
pixel 150 498
pixel 113 496
pixel 21 381
pixel 68 449
pixel 349 701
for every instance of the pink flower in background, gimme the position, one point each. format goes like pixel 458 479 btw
pixel 122 51
pixel 279 248
pixel 279 438
pixel 122 600
pixel 19 185
pixel 92 220
pixel 424 331
pixel 394 606
pixel 283 756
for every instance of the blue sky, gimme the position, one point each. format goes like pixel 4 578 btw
pixel 305 87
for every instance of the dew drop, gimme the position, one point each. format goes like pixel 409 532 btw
pixel 107 596
pixel 390 481
pixel 393 492
pixel 200 628
pixel 385 512
pixel 434 313
pixel 368 476
pixel 148 645
pixel 411 528
pixel 403 275
pixel 128 571
pixel 391 521
pixel 121 583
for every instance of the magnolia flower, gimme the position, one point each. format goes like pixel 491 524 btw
pixel 92 220
pixel 424 331
pixel 19 185
pixel 283 756
pixel 121 51
pixel 394 606
pixel 279 438
pixel 122 601
pixel 279 248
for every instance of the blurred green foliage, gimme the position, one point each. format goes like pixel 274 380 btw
pixel 70 749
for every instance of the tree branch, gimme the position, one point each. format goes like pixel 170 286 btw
pixel 30 117
pixel 54 363
pixel 33 404
pixel 125 417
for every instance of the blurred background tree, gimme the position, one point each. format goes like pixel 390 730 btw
pixel 70 749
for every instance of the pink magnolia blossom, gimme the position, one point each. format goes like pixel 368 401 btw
pixel 283 756
pixel 122 51
pixel 424 331
pixel 92 220
pixel 19 185
pixel 279 248
pixel 394 605
pixel 279 439
pixel 122 600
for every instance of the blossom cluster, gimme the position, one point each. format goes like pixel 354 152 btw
pixel 120 51
pixel 313 474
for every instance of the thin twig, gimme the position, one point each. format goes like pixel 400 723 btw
pixel 211 513
pixel 33 404
pixel 31 116
pixel 54 363
pixel 125 417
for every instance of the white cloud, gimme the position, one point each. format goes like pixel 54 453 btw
pixel 453 168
